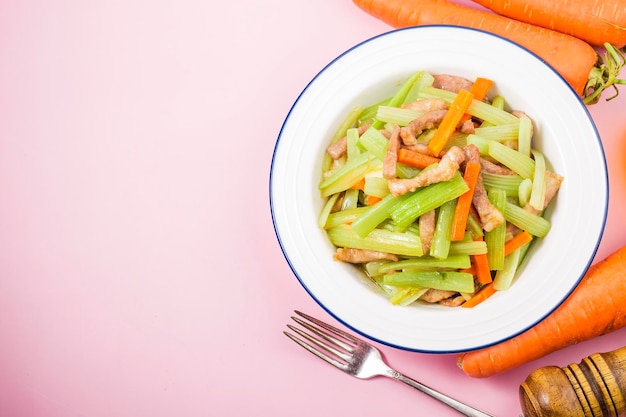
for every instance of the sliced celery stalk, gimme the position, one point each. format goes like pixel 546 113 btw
pixel 352 140
pixel 511 158
pixel 400 95
pixel 495 238
pixel 375 142
pixel 500 133
pixel 524 138
pixel 427 262
pixel 444 280
pixel 504 277
pixel 509 183
pixel 349 174
pixel 524 191
pixel 376 186
pixel 406 296
pixel 325 213
pixel 375 215
pixel 537 195
pixel 349 121
pixel 407 244
pixel 426 199
pixel 396 115
pixel 525 220
pixel 440 245
pixel 470 247
pixel 343 216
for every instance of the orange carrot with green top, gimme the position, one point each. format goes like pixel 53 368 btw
pixel 573 58
pixel 594 21
pixel 464 202
pixel 594 308
pixel 450 121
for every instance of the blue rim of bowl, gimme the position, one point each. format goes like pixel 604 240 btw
pixel 348 325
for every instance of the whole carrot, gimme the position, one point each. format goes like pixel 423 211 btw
pixel 573 58
pixel 594 308
pixel 594 21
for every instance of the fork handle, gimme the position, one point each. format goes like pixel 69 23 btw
pixel 464 409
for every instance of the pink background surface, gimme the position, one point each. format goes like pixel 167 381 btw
pixel 139 270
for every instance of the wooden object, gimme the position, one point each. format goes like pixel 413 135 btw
pixel 596 387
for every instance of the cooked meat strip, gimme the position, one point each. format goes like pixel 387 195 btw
pixel 445 170
pixel 452 83
pixel 467 127
pixel 454 301
pixel 426 105
pixel 419 147
pixel 490 217
pixel 493 168
pixel 427 229
pixel 391 157
pixel 435 296
pixel 428 120
pixel 339 148
pixel 359 256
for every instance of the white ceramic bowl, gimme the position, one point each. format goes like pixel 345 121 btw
pixel 372 71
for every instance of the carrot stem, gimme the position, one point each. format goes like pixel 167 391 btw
pixel 450 121
pixel 464 203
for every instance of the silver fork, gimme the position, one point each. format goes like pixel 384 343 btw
pixel 358 358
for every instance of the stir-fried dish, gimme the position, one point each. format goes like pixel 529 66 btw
pixel 437 192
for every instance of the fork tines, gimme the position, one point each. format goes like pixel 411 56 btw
pixel 323 340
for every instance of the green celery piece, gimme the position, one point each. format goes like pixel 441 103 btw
pixel 352 140
pixel 349 121
pixel 491 114
pixel 475 227
pixel 504 277
pixel 427 198
pixel 446 280
pixel 495 238
pixel 508 183
pixel 349 174
pixel 523 165
pixel 369 113
pixel 400 96
pixel 428 263
pixel 524 138
pixel 470 247
pixel 325 213
pixel 538 192
pixel 397 115
pixel 350 199
pixel 375 215
pixel 343 216
pixel 480 142
pixel 525 220
pixel 479 109
pixel 425 79
pixel 406 244
pixel 406 296
pixel 501 133
pixel 524 191
pixel 375 142
pixel 440 245
pixel 376 186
